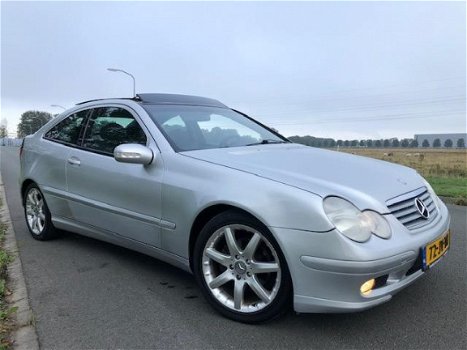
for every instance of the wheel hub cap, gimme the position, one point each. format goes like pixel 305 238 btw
pixel 240 267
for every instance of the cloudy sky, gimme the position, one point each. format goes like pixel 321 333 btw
pixel 342 69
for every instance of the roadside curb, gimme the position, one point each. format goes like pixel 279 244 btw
pixel 24 336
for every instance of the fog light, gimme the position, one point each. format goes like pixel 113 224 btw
pixel 366 287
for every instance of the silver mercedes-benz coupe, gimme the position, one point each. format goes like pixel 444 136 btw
pixel 261 222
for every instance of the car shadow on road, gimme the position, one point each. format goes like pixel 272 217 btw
pixel 171 277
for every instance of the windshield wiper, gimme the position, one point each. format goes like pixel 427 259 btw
pixel 266 142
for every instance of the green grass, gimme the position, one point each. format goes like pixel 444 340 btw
pixel 5 311
pixel 455 187
pixel 444 169
pixel 5 259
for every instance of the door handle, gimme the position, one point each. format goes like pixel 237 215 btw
pixel 74 161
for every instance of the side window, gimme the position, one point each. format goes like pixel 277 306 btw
pixel 109 127
pixel 69 129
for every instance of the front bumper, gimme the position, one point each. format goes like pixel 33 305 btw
pixel 327 269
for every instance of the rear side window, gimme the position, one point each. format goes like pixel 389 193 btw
pixel 112 126
pixel 68 130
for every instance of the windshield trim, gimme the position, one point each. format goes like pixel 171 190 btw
pixel 283 138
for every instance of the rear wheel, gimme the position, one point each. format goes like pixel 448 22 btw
pixel 241 269
pixel 37 214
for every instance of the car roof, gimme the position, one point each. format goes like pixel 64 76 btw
pixel 169 99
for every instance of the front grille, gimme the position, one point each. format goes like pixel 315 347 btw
pixel 404 209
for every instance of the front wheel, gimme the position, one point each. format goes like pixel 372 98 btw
pixel 241 269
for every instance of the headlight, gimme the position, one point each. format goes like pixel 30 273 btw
pixel 379 226
pixel 353 223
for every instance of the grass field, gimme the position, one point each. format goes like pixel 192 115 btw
pixel 444 169
pixel 6 324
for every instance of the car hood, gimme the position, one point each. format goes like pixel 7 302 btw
pixel 369 183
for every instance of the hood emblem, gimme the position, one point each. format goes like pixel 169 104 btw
pixel 422 209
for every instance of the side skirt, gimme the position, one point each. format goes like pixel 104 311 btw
pixel 93 232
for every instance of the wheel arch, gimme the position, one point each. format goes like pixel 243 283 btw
pixel 207 214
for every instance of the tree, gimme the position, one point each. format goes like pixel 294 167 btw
pixel 460 143
pixel 308 140
pixel 31 121
pixel 425 143
pixel 448 143
pixel 369 143
pixel 3 135
pixel 405 143
pixel 362 143
pixel 386 143
pixel 378 143
pixel 295 139
pixel 346 143
pixel 414 144
pixel 395 143
pixel 354 143
pixel 332 143
pixel 3 130
pixel 340 143
pixel 437 143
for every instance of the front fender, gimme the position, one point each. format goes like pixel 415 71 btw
pixel 192 185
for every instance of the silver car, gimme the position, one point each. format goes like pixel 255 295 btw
pixel 262 223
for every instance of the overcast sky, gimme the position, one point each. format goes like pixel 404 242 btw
pixel 341 70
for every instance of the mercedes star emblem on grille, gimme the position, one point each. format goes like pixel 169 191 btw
pixel 422 209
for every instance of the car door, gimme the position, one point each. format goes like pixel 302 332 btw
pixel 117 198
pixel 50 169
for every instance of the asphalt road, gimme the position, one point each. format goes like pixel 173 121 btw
pixel 89 294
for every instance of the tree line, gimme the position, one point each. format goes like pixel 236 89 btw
pixel 381 143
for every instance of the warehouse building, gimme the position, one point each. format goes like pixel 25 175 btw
pixel 431 139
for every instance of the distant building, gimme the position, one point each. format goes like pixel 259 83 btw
pixel 442 137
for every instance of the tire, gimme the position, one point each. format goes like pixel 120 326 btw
pixel 241 269
pixel 37 214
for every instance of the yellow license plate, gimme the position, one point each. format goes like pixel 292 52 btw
pixel 436 249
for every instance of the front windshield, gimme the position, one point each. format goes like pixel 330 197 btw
pixel 189 128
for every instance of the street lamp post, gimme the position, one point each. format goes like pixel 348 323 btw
pixel 58 107
pixel 131 75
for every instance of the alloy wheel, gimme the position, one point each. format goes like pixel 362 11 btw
pixel 241 268
pixel 35 213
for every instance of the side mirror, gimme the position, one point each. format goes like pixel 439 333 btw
pixel 133 153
